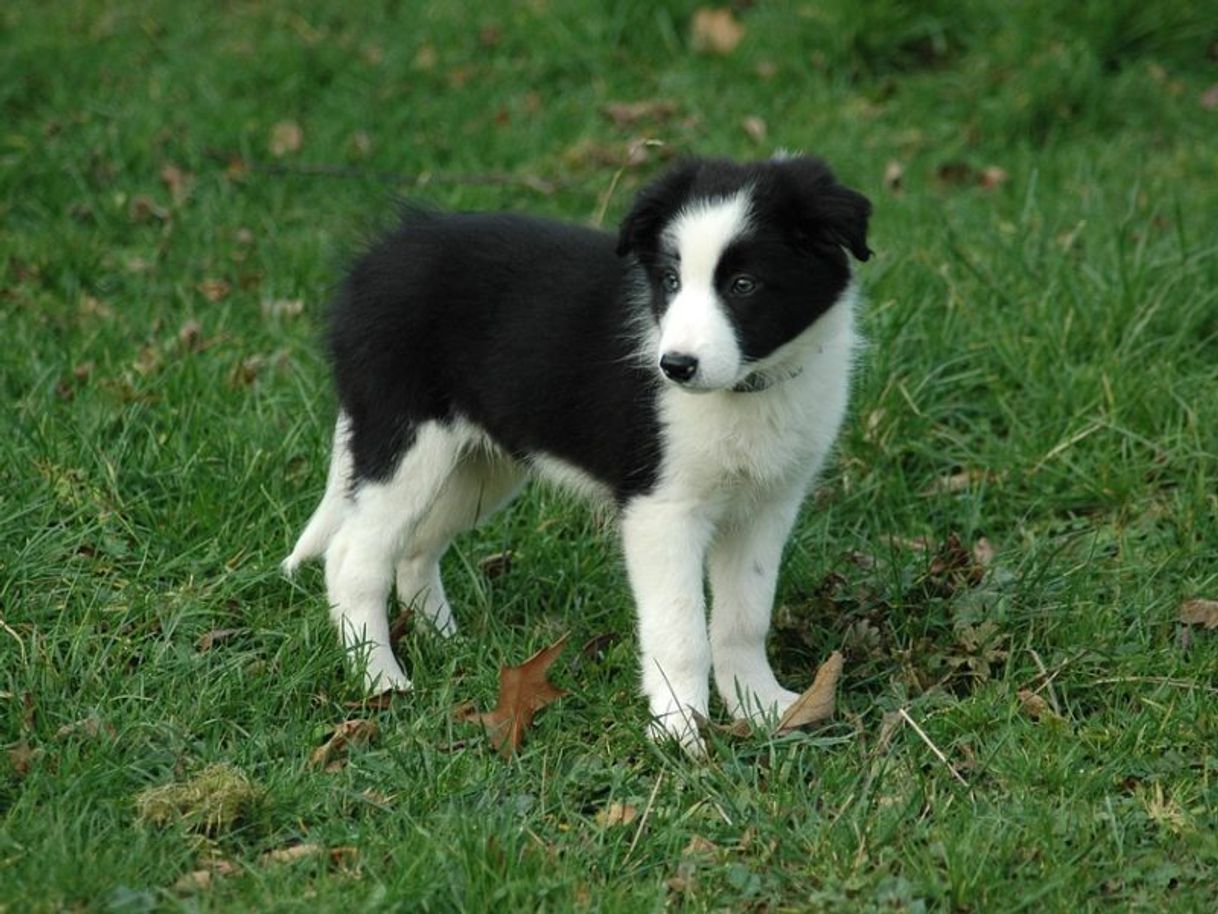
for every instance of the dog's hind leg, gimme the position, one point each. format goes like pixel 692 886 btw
pixel 382 518
pixel 743 569
pixel 334 503
pixel 479 485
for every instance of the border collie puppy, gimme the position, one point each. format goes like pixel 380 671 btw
pixel 693 370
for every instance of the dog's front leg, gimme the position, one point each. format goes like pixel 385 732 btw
pixel 743 566
pixel 665 547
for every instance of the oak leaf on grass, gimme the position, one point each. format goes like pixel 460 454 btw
pixel 523 691
pixel 817 703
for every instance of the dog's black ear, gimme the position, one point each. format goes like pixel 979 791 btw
pixel 653 204
pixel 828 212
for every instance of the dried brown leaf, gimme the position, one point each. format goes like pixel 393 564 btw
pixel 178 182
pixel 992 176
pixel 348 733
pixel 1034 706
pixel 91 727
pixel 291 854
pixel 755 127
pixel 523 691
pixel 616 814
pixel 1199 612
pixel 21 757
pixel 1209 98
pixel 630 114
pixel 214 290
pixel 190 336
pixel 716 30
pixel 210 639
pixel 817 703
pixel 202 878
pixel 142 208
pixel 894 175
pixel 286 137
pixel 496 565
pixel 983 552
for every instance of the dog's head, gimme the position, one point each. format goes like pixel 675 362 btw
pixel 741 259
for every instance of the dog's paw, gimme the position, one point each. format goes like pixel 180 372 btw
pixel 682 726
pixel 762 708
pixel 382 678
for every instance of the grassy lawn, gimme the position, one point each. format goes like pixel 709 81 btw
pixel 1024 496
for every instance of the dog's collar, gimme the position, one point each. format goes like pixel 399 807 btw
pixel 760 380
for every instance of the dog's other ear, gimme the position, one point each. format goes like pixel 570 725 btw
pixel 828 212
pixel 640 229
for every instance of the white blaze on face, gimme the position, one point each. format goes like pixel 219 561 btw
pixel 696 323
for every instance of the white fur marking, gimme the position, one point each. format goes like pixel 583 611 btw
pixel 695 322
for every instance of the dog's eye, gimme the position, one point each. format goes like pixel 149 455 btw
pixel 670 282
pixel 743 285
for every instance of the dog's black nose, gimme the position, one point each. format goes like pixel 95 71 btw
pixel 678 366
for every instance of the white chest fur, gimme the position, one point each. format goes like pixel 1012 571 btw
pixel 774 438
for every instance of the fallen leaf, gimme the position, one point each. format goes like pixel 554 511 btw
pixel 957 482
pixel 286 137
pixel 496 565
pixel 755 127
pixel 1199 612
pixel 1034 706
pixel 894 175
pixel 210 639
pixel 21 757
pixel 202 878
pixel 214 290
pixel 1209 98
pixel 178 182
pixel 91 727
pixel 992 176
pixel 190 336
pixel 616 814
pixel 142 208
pixel 983 552
pixel 698 846
pixel 716 30
pixel 816 704
pixel 348 733
pixel 291 854
pixel 523 691
pixel 630 114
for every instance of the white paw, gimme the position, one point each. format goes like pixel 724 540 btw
pixel 762 707
pixel 681 725
pixel 381 677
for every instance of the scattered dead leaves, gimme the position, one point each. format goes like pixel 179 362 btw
pixel 715 30
pixel 817 703
pixel 1203 613
pixel 331 755
pixel 523 691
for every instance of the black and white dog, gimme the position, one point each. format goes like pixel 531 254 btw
pixel 693 371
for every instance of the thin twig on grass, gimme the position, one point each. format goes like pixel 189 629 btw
pixel 933 748
pixel 643 818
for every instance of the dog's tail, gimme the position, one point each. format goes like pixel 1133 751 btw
pixel 329 515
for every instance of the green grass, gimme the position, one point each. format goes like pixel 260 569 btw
pixel 1055 336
